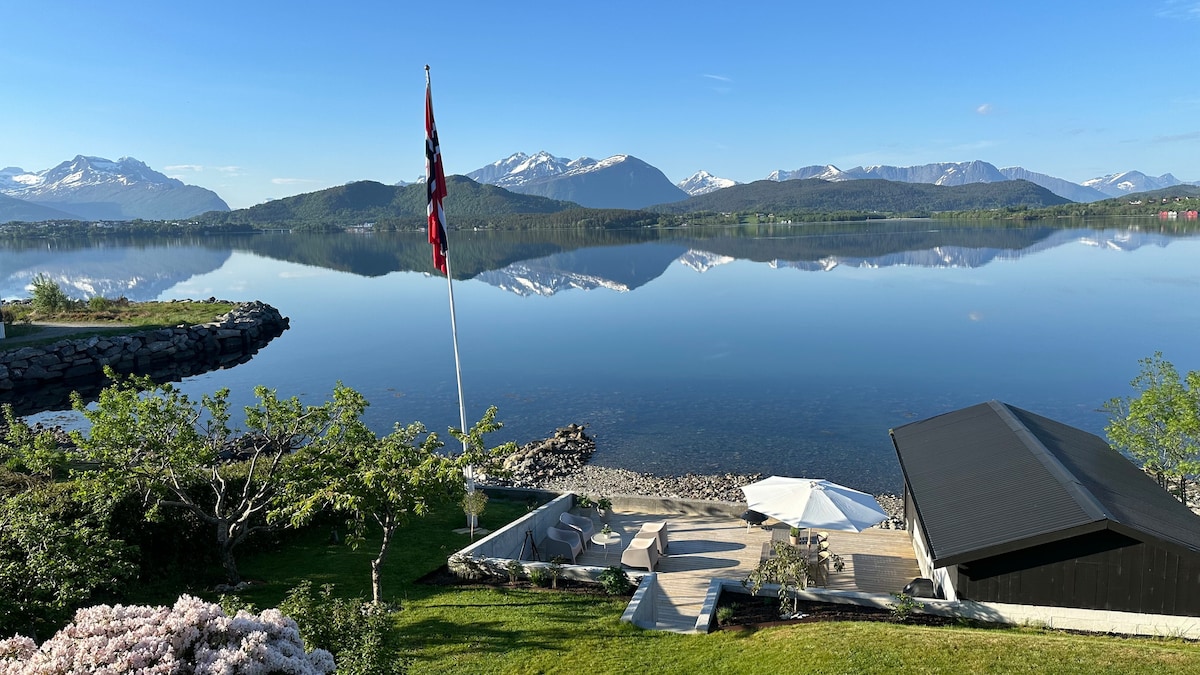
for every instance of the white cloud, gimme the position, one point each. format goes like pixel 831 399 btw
pixel 184 167
pixel 1177 138
pixel 1180 9
pixel 719 78
pixel 291 181
pixel 234 170
pixel 985 109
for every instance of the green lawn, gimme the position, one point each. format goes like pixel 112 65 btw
pixel 112 318
pixel 499 630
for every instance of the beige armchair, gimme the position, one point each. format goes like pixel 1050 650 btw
pixel 641 552
pixel 563 541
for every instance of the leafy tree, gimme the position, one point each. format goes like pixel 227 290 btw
pixel 1161 426
pixel 157 440
pixel 387 481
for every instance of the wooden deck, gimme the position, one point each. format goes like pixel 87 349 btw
pixel 703 547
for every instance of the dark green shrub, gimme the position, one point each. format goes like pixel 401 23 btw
pixel 904 606
pixel 361 635
pixel 539 576
pixel 48 297
pixel 515 569
pixel 614 581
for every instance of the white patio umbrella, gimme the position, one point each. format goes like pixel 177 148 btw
pixel 813 503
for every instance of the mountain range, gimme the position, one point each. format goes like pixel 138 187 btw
pixel 586 181
pixel 94 188
pixel 618 182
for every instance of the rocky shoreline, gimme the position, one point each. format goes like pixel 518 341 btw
pixel 39 378
pixel 561 463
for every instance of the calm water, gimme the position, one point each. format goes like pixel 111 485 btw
pixel 774 350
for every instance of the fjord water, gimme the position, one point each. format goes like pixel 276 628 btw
pixel 789 350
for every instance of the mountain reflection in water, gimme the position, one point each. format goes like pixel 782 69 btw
pixel 691 349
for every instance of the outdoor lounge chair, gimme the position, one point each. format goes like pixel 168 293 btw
pixel 582 524
pixel 641 552
pixel 657 530
pixel 563 541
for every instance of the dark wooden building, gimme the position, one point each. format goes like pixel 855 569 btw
pixel 1011 507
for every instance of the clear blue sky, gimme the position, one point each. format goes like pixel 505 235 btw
pixel 260 100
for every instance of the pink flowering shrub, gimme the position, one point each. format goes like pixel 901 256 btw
pixel 192 637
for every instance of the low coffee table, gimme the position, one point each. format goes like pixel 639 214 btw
pixel 606 539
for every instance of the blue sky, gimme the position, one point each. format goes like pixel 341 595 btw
pixel 260 100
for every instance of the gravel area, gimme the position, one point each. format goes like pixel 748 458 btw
pixel 561 463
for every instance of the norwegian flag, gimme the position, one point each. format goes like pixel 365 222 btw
pixel 435 184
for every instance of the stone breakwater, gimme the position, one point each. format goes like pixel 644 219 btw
pixel 41 378
pixel 561 463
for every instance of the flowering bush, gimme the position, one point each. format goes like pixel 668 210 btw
pixel 192 637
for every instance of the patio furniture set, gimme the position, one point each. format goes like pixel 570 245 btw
pixel 568 537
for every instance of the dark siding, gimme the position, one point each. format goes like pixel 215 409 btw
pixel 1102 570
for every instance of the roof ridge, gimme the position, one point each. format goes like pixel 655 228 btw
pixel 1078 491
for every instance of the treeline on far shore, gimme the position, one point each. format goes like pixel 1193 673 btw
pixel 1179 199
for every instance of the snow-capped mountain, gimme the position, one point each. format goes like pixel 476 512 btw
pixel 1120 184
pixel 617 182
pixel 703 182
pixel 949 173
pixel 1063 188
pixel 94 188
pixel 520 168
pixel 703 261
pixel 940 173
pixel 827 172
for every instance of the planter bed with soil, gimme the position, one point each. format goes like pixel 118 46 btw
pixel 751 612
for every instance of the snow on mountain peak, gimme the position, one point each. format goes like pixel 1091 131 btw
pixel 703 182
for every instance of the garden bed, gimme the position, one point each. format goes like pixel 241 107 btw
pixel 741 611
pixel 442 576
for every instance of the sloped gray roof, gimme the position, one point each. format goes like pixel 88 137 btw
pixel 992 478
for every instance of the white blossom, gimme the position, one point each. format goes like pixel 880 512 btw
pixel 193 637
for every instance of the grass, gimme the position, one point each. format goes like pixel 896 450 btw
pixel 511 630
pixel 123 312
pixel 109 317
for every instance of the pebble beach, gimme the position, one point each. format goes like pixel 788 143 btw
pixel 562 463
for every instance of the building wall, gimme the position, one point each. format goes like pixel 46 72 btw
pixel 943 578
pixel 1101 570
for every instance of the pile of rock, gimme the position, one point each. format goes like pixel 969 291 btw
pixel 537 463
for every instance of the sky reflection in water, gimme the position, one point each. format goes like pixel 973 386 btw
pixel 747 367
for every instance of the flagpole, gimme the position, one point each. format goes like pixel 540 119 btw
pixel 462 408
pixel 437 225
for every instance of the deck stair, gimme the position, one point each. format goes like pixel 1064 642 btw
pixel 703 547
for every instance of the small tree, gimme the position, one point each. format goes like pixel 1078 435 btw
pixel 1160 428
pixel 385 480
pixel 789 566
pixel 473 504
pixel 48 296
